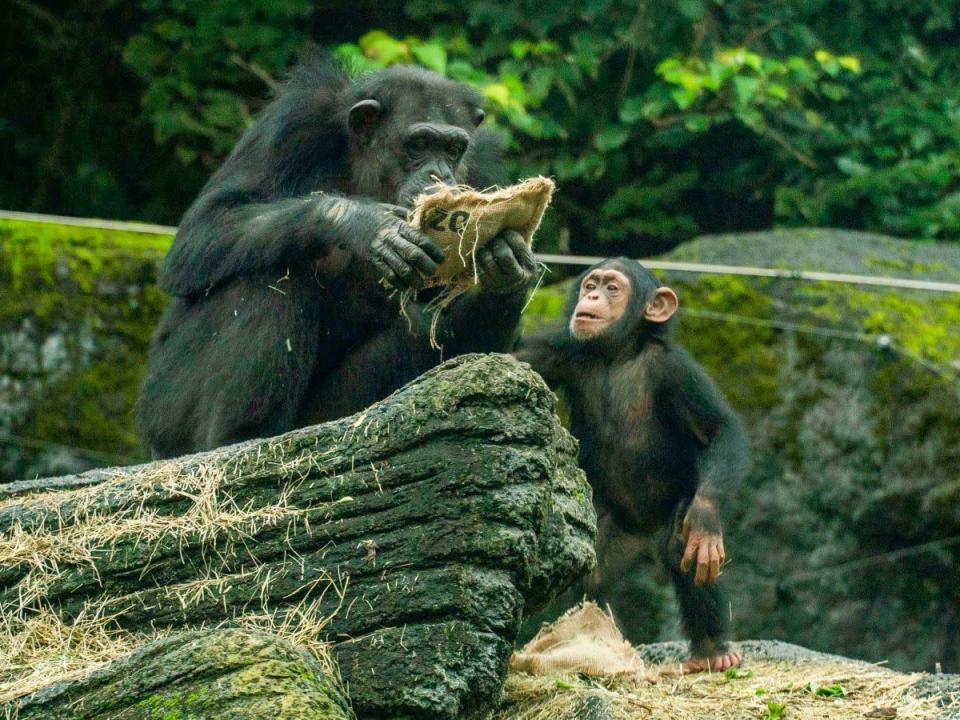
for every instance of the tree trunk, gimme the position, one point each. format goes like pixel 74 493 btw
pixel 423 526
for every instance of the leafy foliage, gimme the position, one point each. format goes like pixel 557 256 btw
pixel 660 120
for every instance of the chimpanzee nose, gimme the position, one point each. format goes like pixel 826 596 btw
pixel 440 175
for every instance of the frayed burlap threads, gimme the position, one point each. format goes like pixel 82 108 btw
pixel 463 220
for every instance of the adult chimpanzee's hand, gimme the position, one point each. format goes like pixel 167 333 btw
pixel 505 264
pixel 701 530
pixel 403 255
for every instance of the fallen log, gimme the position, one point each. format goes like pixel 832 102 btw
pixel 408 539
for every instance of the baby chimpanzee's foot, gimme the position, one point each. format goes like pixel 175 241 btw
pixel 716 663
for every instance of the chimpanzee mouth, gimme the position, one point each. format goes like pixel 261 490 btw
pixel 586 316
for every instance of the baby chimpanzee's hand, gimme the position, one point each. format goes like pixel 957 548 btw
pixel 701 530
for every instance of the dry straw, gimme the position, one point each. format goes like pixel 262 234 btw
pixel 39 647
pixel 580 667
pixel 801 690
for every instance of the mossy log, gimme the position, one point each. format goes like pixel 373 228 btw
pixel 421 527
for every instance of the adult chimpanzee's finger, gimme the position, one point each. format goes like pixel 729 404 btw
pixel 480 260
pixel 721 551
pixel 414 256
pixel 400 267
pixel 423 241
pixel 521 251
pixel 386 274
pixel 394 210
pixel 488 263
pixel 507 263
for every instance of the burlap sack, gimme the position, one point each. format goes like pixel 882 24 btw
pixel 463 220
pixel 585 640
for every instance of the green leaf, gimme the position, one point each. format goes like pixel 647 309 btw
pixel 683 97
pixel 185 155
pixel 775 710
pixel 498 92
pixel 778 91
pixel 539 83
pixel 668 65
pixel 143 54
pixel 631 111
pixel 697 123
pixel 520 48
pixel 384 48
pixel 736 673
pixel 611 138
pixel 692 9
pixel 745 88
pixel 849 62
pixel 752 118
pixel 431 55
pixel 832 691
pixel 834 91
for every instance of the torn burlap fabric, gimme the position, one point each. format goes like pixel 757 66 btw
pixel 584 639
pixel 463 220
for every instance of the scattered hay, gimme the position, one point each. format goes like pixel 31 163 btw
pixel 802 690
pixel 65 529
pixel 580 668
pixel 38 648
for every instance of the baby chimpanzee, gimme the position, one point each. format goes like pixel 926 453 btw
pixel 659 444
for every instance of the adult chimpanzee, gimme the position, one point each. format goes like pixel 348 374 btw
pixel 284 269
pixel 658 442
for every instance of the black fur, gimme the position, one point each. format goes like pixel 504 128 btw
pixel 654 432
pixel 278 318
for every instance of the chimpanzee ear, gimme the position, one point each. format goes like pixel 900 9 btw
pixel 364 116
pixel 662 307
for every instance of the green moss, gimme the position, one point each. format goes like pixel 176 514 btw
pixel 81 304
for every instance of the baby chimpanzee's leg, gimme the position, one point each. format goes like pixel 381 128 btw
pixel 703 608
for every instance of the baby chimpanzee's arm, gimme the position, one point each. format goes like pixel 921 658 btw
pixel 699 410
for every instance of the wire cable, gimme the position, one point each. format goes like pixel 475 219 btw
pixel 584 260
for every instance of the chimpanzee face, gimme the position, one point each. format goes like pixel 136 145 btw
pixel 620 295
pixel 411 136
pixel 604 296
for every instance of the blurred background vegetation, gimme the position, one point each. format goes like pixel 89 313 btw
pixel 662 121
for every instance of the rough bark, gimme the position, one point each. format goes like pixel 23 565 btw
pixel 424 525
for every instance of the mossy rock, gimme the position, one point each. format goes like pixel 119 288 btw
pixel 227 674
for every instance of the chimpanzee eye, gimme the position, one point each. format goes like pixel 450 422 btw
pixel 612 288
pixel 478 116
pixel 456 149
pixel 417 144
